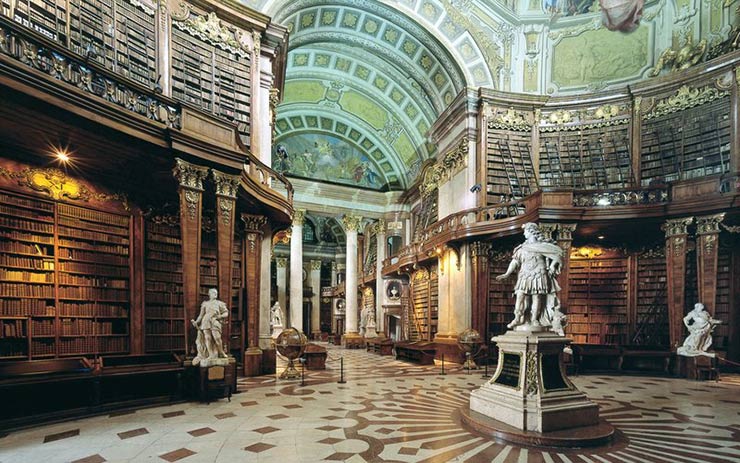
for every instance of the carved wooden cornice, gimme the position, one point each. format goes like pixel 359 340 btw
pixel 445 168
pixel 675 227
pixel 685 97
pixel 226 185
pixel 189 175
pixel 606 115
pixel 351 222
pixel 508 119
pixel 210 29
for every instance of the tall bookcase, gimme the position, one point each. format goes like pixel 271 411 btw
pixel 424 304
pixel 500 294
pixel 64 279
pixel 163 298
pixel 237 339
pixel 587 158
pixel 686 144
pixel 651 324
pixel 597 307
pixel 722 306
pixel 509 169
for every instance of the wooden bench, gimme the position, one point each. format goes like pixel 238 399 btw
pixel 420 351
pixel 382 346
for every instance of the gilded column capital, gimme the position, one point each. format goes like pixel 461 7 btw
pixel 334 266
pixel 674 227
pixel 547 229
pixel 351 222
pixel 281 262
pixel 709 224
pixel 299 215
pixel 479 250
pixel 315 265
pixel 253 223
pixel 380 227
pixel 565 231
pixel 226 185
pixel 189 175
pixel 225 206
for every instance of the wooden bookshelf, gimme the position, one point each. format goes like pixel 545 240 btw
pixel 587 158
pixel 64 276
pixel 163 300
pixel 426 213
pixel 509 169
pixel 597 306
pixel 211 78
pixel 651 312
pixel 687 144
pixel 500 294
pixel 208 266
pixel 237 337
pixel 722 306
pixel 433 302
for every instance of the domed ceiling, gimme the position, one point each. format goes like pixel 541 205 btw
pixel 367 79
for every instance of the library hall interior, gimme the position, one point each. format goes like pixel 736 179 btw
pixel 380 231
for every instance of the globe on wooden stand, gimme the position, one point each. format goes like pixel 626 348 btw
pixel 291 344
pixel 470 342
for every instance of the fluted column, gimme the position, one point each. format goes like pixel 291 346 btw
pixel 296 271
pixel 351 225
pixel 676 235
pixel 315 280
pixel 707 244
pixel 380 228
pixel 226 189
pixel 281 264
pixel 253 257
pixel 190 191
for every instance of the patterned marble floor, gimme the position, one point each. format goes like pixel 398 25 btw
pixel 389 411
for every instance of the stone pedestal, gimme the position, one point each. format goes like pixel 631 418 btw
pixel 370 331
pixel 529 390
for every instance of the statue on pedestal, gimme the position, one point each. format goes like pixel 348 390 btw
pixel 209 343
pixel 537 263
pixel 276 315
pixel 700 325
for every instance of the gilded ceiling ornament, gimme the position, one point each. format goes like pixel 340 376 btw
pixel 685 98
pixel 455 158
pixel 680 58
pixel 431 181
pixel 226 185
pixel 189 175
pixel 351 222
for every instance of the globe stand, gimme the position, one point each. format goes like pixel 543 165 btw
pixel 469 362
pixel 470 342
pixel 291 372
pixel 290 344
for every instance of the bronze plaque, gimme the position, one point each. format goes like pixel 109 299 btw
pixel 510 370
pixel 552 377
pixel 216 373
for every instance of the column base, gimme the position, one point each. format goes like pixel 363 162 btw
pixel 253 362
pixel 353 341
pixel 529 390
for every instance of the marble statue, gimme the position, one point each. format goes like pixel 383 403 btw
pixel 364 314
pixel 537 263
pixel 700 325
pixel 209 324
pixel 276 315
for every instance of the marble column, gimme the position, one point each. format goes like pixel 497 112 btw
pixel 190 178
pixel 676 240
pixel 281 264
pixel 296 271
pixel 351 335
pixel 226 189
pixel 315 281
pixel 380 228
pixel 253 258
pixel 707 252
pixel 265 291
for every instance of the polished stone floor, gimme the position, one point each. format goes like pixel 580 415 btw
pixel 389 411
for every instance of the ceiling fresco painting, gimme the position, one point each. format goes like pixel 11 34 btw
pixel 326 158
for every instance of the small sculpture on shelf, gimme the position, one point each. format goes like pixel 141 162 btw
pixel 700 325
pixel 209 342
pixel 537 263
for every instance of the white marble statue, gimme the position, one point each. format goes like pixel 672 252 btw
pixel 700 325
pixel 537 263
pixel 209 324
pixel 364 314
pixel 276 315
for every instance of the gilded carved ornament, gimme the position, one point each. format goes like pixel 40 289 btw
pixel 281 262
pixel 674 227
pixel 680 58
pixel 189 175
pixel 226 185
pixel 192 201
pixel 148 7
pixel 509 119
pixel 531 386
pixel 210 29
pixel 565 231
pixel 253 223
pixel 380 227
pixel 351 222
pixel 444 168
pixel 709 224
pixel 479 250
pixel 548 229
pixel 225 208
pixel 315 265
pixel 684 98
